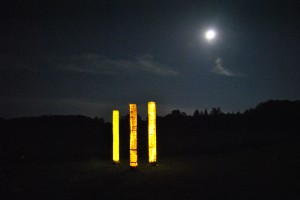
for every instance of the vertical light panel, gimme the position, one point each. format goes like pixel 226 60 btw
pixel 152 132
pixel 116 142
pixel 133 136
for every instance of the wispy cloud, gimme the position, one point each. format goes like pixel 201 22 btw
pixel 88 63
pixel 98 64
pixel 220 69
pixel 147 63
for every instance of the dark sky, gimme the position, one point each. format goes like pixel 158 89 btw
pixel 89 57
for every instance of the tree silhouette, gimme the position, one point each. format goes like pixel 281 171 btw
pixel 216 111
pixel 196 113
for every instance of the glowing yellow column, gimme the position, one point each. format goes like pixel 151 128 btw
pixel 116 142
pixel 152 132
pixel 133 136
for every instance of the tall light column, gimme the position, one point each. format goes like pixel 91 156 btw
pixel 152 132
pixel 116 142
pixel 133 136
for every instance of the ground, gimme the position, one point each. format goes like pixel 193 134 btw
pixel 270 172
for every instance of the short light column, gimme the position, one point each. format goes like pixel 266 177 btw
pixel 116 140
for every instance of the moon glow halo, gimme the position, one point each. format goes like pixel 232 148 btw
pixel 210 35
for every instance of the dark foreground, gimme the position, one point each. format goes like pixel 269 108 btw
pixel 270 172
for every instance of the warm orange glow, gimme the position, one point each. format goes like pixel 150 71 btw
pixel 152 132
pixel 133 135
pixel 116 142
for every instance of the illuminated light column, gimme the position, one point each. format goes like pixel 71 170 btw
pixel 133 136
pixel 116 142
pixel 152 132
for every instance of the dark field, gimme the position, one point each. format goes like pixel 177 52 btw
pixel 268 172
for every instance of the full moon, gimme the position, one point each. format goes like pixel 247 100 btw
pixel 210 35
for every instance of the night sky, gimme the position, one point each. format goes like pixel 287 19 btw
pixel 89 57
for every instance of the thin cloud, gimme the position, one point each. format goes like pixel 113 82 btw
pixel 220 69
pixel 98 64
pixel 88 63
pixel 147 63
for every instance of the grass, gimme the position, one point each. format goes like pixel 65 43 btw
pixel 270 172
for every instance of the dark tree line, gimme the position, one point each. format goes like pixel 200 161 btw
pixel 78 137
pixel 272 115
